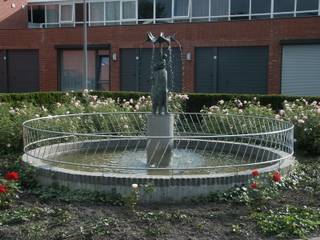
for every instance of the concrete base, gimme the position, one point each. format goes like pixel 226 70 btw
pixel 159 150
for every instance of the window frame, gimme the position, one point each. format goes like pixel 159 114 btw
pixel 61 22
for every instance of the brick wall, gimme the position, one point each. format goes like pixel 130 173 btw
pixel 13 14
pixel 235 33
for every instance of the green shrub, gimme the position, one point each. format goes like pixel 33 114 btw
pixel 303 114
pixel 288 221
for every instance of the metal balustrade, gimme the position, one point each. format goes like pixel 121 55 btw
pixel 249 14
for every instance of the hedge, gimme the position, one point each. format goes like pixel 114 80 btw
pixel 197 101
pixel 194 104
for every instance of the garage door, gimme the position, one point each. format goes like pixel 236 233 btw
pixel 135 70
pixel 301 70
pixel 23 71
pixel 232 69
pixel 3 72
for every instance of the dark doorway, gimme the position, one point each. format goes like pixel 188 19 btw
pixel 19 71
pixel 23 70
pixel 3 72
pixel 135 70
pixel 103 72
pixel 232 70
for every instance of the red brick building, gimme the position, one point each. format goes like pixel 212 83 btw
pixel 245 46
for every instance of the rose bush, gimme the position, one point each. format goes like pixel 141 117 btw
pixel 304 115
pixel 12 117
pixel 9 187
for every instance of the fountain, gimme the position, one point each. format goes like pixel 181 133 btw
pixel 182 154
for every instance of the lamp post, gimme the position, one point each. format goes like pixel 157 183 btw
pixel 85 46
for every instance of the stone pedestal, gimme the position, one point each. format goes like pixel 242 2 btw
pixel 159 150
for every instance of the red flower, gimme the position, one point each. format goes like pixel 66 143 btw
pixel 3 188
pixel 12 176
pixel 276 176
pixel 254 185
pixel 255 173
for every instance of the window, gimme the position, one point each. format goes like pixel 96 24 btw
pixel 128 10
pixel 163 8
pixel 200 8
pixel 113 11
pixel 260 7
pixel 79 12
pixel 219 7
pixel 38 14
pixel 283 6
pixel 72 70
pixel 240 7
pixel 96 13
pixel 181 8
pixel 30 14
pixel 66 13
pixel 145 9
pixel 104 73
pixel 52 14
pixel 303 5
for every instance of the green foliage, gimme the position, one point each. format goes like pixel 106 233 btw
pixel 288 221
pixel 15 109
pixel 303 114
pixel 306 118
pixel 64 194
pixel 8 197
pixel 197 101
pixel 305 177
pixel 16 216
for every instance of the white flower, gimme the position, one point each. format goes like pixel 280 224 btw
pixel 8 145
pixel 301 121
pixel 277 116
pixel 37 115
pixel 44 109
pixel 318 110
pixel 134 186
pixel 221 102
pixel 85 91
pixel 59 104
pixel 12 111
pixel 282 112
pixel 125 126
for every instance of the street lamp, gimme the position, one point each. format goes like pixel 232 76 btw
pixel 85 46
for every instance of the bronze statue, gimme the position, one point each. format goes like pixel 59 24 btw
pixel 159 89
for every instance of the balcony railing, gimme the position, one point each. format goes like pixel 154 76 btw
pixel 49 14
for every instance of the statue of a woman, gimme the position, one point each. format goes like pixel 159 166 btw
pixel 159 89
